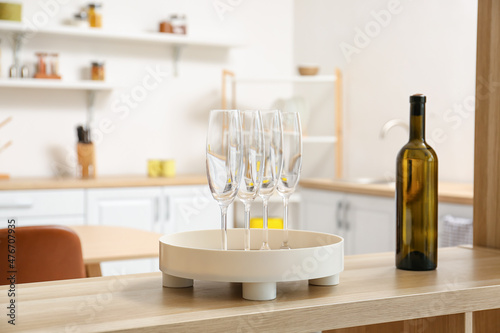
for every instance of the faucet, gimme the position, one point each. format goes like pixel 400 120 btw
pixel 393 123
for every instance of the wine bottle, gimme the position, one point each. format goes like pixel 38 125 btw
pixel 416 196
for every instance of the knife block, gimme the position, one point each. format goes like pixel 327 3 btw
pixel 86 160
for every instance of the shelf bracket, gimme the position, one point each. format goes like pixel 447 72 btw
pixel 90 107
pixel 177 55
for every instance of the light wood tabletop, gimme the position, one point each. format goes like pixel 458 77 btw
pixel 108 243
pixel 371 291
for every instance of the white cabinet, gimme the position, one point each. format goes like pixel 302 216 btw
pixel 190 208
pixel 371 224
pixel 366 223
pixel 164 210
pixel 43 207
pixel 138 207
pixel 320 211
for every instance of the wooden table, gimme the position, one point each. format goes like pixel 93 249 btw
pixel 371 291
pixel 108 243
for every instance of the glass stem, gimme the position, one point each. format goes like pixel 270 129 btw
pixel 247 226
pixel 285 220
pixel 223 210
pixel 266 234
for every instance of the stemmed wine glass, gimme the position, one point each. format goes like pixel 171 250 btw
pixel 253 160
pixel 224 160
pixel 292 163
pixel 273 163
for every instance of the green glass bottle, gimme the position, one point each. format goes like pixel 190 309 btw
pixel 416 196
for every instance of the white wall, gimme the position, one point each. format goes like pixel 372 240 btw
pixel 424 47
pixel 171 120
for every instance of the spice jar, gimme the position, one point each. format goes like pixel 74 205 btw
pixel 80 20
pixel 54 64
pixel 42 64
pixel 178 23
pixel 95 15
pixel 165 26
pixel 97 71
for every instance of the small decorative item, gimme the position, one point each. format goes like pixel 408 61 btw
pixel 161 168
pixel 165 26
pixel 308 69
pixel 98 71
pixel 54 64
pixel 272 223
pixel 25 72
pixel 94 15
pixel 80 20
pixel 13 71
pixel 178 22
pixel 154 168
pixel 11 11
pixel 168 168
pixel 52 71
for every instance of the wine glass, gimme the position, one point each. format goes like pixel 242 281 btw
pixel 273 162
pixel 224 160
pixel 292 163
pixel 253 160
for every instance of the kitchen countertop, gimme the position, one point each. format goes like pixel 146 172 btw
pixel 99 182
pixel 458 193
pixel 371 291
pixel 448 192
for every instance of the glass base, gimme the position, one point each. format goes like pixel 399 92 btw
pixel 265 246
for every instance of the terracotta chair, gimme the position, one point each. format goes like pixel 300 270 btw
pixel 43 253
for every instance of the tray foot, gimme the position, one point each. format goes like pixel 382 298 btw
pixel 331 280
pixel 171 281
pixel 259 291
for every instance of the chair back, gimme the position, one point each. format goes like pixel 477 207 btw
pixel 42 253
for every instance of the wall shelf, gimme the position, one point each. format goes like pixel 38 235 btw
pixel 98 33
pixel 319 139
pixel 86 85
pixel 287 79
pixel 229 78
pixel 177 42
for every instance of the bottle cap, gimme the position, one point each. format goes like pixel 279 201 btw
pixel 417 98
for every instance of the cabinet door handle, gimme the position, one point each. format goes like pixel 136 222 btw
pixel 338 214
pixel 167 209
pixel 157 209
pixel 16 204
pixel 345 220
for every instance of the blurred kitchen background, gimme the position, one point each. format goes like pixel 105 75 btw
pixel 156 97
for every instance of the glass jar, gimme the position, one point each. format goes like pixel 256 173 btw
pixel 178 24
pixel 97 73
pixel 95 15
pixel 80 20
pixel 54 64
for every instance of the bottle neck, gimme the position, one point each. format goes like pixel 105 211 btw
pixel 417 121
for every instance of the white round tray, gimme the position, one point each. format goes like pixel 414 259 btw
pixel 317 257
